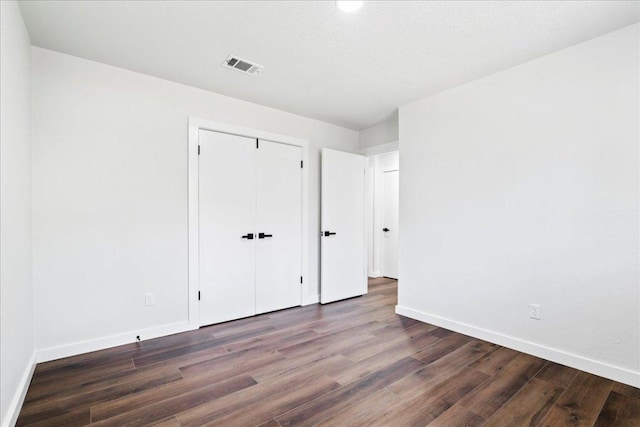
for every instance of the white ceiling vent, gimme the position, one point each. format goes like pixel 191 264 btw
pixel 242 65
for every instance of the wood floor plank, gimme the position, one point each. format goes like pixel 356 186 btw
pixel 445 367
pixel 92 359
pixel 347 374
pixel 231 364
pixel 225 339
pixel 251 327
pixel 528 407
pixel 77 418
pixel 187 358
pixel 112 408
pixel 321 408
pixel 368 412
pixel 619 411
pixel 74 374
pixel 275 340
pixel 366 322
pixel 501 387
pixel 331 343
pixel 45 393
pixel 308 362
pixel 627 390
pixel 581 402
pixel 175 340
pixel 138 416
pixel 278 403
pixel 442 348
pixel 42 411
pixel 557 374
pixel 171 422
pixel 416 341
pixel 493 362
pixel 265 400
pixel 457 416
pixel 429 405
pixel 173 352
pixel 402 325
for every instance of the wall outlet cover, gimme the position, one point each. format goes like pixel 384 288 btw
pixel 534 311
pixel 149 300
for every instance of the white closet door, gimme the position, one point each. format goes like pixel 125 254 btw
pixel 227 199
pixel 343 246
pixel 279 227
pixel 391 225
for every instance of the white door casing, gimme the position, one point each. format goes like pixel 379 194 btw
pixel 343 254
pixel 391 225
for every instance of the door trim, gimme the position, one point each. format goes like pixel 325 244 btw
pixel 195 125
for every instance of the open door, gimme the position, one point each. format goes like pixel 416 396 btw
pixel 343 266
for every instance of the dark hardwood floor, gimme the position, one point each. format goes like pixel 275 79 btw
pixel 350 363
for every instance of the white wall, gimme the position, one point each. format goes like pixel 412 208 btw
pixel 110 196
pixel 16 289
pixel 381 133
pixel 378 165
pixel 522 187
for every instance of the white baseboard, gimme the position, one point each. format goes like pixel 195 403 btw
pixel 310 299
pixel 595 367
pixel 58 352
pixel 375 274
pixel 18 398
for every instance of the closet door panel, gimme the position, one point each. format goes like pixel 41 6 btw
pixel 227 212
pixel 279 218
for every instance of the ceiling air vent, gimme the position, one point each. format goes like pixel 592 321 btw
pixel 242 65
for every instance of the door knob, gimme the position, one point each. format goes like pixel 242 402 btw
pixel 248 236
pixel 262 235
pixel 328 233
pixel 385 229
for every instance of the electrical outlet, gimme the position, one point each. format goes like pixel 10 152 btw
pixel 534 311
pixel 149 300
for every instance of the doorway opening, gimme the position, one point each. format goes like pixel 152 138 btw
pixel 382 208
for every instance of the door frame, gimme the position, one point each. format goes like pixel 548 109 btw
pixel 373 200
pixel 195 125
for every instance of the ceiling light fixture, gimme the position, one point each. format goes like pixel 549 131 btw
pixel 349 5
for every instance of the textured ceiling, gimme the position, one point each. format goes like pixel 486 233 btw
pixel 349 69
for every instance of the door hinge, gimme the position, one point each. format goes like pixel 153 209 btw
pixel 300 279
pixel 301 164
pixel 257 143
pixel 198 150
pixel 198 295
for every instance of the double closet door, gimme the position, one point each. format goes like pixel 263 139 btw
pixel 250 226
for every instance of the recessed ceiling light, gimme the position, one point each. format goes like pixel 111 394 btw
pixel 349 5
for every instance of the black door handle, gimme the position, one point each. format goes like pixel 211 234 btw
pixel 248 236
pixel 385 229
pixel 328 233
pixel 262 235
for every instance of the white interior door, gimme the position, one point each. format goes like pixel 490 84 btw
pixel 390 223
pixel 227 212
pixel 342 218
pixel 279 227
